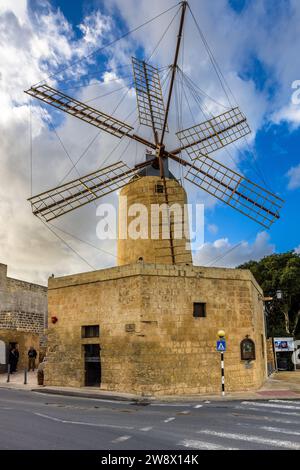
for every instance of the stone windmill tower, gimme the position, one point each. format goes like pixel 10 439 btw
pixel 151 326
pixel 151 182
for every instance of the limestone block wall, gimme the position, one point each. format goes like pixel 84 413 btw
pixel 150 341
pixel 23 305
pixel 154 249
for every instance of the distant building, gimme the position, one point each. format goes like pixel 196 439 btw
pixel 23 315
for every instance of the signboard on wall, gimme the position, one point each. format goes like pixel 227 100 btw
pixel 284 344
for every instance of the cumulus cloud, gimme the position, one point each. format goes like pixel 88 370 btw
pixel 33 46
pixel 213 229
pixel 36 44
pixel 294 177
pixel 223 253
pixel 289 114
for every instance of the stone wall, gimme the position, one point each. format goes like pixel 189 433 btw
pixel 23 306
pixel 150 341
pixel 154 248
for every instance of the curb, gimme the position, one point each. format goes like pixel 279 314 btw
pixel 94 396
pixel 162 400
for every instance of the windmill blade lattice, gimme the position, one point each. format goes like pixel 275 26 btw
pixel 150 101
pixel 65 198
pixel 80 110
pixel 213 134
pixel 235 190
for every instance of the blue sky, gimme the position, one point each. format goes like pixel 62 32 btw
pixel 256 46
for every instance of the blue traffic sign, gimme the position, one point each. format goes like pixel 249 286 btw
pixel 221 345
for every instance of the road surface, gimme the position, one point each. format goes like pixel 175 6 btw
pixel 30 420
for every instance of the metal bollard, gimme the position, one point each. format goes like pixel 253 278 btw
pixel 25 376
pixel 8 373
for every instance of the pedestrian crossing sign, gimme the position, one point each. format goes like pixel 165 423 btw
pixel 221 345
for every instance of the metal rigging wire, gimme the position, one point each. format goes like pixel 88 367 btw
pixel 218 258
pixel 67 244
pixel 101 250
pixel 215 64
pixel 164 34
pixel 101 49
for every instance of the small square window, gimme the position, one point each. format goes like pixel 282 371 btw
pixel 90 331
pixel 159 188
pixel 199 310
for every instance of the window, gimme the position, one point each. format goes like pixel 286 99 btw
pixel 199 310
pixel 90 331
pixel 159 188
pixel 247 350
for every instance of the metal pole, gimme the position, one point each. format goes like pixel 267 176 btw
pixel 222 374
pixel 275 355
pixel 174 69
pixel 8 373
pixel 25 376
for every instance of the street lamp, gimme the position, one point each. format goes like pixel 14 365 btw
pixel 279 294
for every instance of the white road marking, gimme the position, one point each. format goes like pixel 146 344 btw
pixel 271 405
pixel 121 439
pixel 186 405
pixel 82 423
pixel 254 439
pixel 280 430
pixel 146 429
pixel 168 420
pixel 198 406
pixel 286 402
pixel 286 413
pixel 267 418
pixel 203 445
pixel 104 400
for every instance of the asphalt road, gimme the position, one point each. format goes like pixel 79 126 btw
pixel 29 420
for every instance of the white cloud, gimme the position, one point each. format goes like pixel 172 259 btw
pixel 297 250
pixel 213 229
pixel 223 253
pixel 289 114
pixel 35 45
pixel 32 46
pixel 294 177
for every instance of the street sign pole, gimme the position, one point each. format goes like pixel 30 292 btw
pixel 222 374
pixel 221 348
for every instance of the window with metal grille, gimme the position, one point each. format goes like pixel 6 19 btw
pixel 159 188
pixel 199 310
pixel 90 331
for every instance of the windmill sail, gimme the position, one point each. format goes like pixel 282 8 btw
pixel 234 189
pixel 68 197
pixel 149 95
pixel 80 110
pixel 213 134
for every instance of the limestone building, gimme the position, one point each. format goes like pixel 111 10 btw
pixel 23 314
pixel 150 326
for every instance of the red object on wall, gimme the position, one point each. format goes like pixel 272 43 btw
pixel 54 319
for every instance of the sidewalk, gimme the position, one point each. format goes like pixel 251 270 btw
pixel 16 380
pixel 279 385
